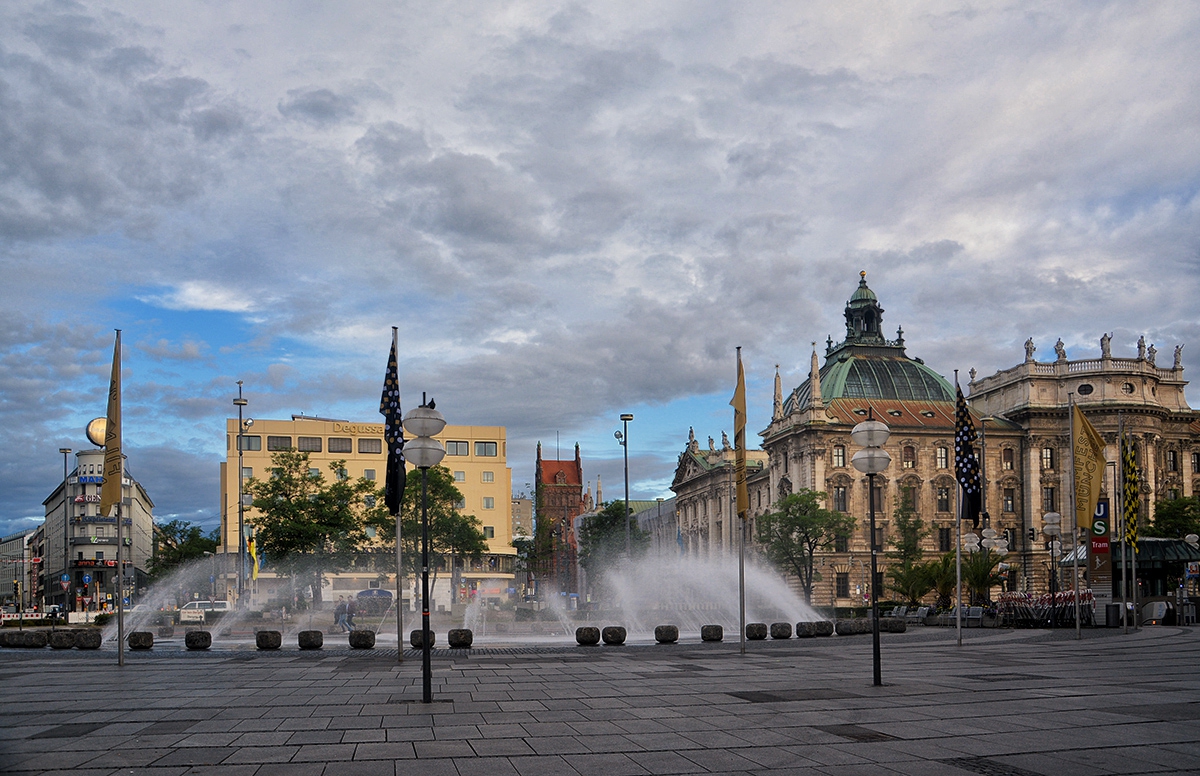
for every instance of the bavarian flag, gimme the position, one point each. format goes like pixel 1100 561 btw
pixel 1132 494
pixel 393 434
pixel 966 465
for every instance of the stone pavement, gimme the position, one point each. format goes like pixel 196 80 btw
pixel 1006 702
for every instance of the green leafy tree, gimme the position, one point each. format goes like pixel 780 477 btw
pixel 1175 519
pixel 452 535
pixel 791 535
pixel 177 542
pixel 602 541
pixel 307 525
pixel 906 573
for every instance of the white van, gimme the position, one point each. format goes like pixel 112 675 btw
pixel 193 611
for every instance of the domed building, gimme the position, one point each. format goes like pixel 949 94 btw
pixel 808 446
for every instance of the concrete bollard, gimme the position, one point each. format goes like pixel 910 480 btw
pixel 268 639
pixel 460 638
pixel 88 638
pixel 587 635
pixel 197 640
pixel 711 633
pixel 62 639
pixel 310 639
pixel 613 635
pixel 415 638
pixel 666 634
pixel 823 628
pixel 35 639
pixel 141 640
pixel 362 639
pixel 893 624
pixel 781 630
pixel 756 631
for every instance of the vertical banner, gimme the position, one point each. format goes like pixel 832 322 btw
pixel 1088 456
pixel 1100 567
pixel 110 489
pixel 738 402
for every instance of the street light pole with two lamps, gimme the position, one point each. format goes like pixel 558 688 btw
pixel 423 451
pixel 872 459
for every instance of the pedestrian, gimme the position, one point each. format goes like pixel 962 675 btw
pixel 339 614
pixel 351 610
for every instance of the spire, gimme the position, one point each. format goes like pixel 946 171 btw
pixel 599 491
pixel 815 381
pixel 777 413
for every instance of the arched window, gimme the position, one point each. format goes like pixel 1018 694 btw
pixel 1006 459
pixel 909 457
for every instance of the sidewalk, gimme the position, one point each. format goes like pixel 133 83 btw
pixel 1006 703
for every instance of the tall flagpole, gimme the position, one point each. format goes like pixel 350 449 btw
pixel 1121 500
pixel 741 501
pixel 111 489
pixel 395 476
pixel 1137 620
pixel 957 554
pixel 1074 515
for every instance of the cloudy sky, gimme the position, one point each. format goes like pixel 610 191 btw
pixel 571 210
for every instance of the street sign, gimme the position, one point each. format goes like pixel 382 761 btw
pixel 87 599
pixel 87 579
pixel 35 560
pixel 79 591
pixel 65 578
pixel 65 585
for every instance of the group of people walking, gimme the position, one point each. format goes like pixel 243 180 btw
pixel 343 614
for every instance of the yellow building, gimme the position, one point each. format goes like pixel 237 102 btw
pixel 476 455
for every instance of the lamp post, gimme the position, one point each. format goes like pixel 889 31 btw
pixel 1052 528
pixel 240 402
pixel 871 435
pixel 423 451
pixel 66 451
pixel 623 440
pixel 212 578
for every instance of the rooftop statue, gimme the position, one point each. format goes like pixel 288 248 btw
pixel 1060 350
pixel 1105 346
pixel 1029 349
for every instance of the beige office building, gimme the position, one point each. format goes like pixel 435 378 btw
pixel 476 456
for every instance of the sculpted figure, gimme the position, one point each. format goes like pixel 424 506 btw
pixel 1178 357
pixel 1060 350
pixel 724 441
pixel 1029 349
pixel 1141 348
pixel 712 446
pixel 1105 346
pixel 1151 353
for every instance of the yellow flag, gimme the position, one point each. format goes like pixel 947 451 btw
pixel 1089 468
pixel 253 548
pixel 110 489
pixel 738 402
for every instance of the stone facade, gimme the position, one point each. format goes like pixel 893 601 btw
pixel 704 495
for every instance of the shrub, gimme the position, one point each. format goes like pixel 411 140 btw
pixel 100 620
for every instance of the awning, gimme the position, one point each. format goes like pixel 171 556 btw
pixel 375 592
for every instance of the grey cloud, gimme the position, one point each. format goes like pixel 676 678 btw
pixel 319 106
pixel 71 36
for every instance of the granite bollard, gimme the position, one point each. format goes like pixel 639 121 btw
pixel 197 640
pixel 310 639
pixel 756 631
pixel 268 639
pixel 666 634
pixel 711 633
pixel 781 630
pixel 587 635
pixel 460 638
pixel 141 640
pixel 613 635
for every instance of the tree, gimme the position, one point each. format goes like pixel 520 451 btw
pixel 796 530
pixel 907 575
pixel 307 525
pixel 452 535
pixel 1175 519
pixel 602 540
pixel 177 542
pixel 980 573
pixel 943 577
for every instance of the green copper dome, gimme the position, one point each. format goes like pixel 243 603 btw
pixel 868 366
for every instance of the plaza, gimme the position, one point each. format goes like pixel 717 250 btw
pixel 1007 702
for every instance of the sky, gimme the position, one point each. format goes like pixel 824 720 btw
pixel 570 210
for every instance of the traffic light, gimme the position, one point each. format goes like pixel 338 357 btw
pixel 16 588
pixel 1033 534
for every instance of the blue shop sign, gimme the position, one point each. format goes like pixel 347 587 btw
pixel 91 478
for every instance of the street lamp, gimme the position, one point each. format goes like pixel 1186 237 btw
pixel 871 435
pixel 212 578
pixel 623 440
pixel 1052 528
pixel 423 451
pixel 240 402
pixel 66 451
